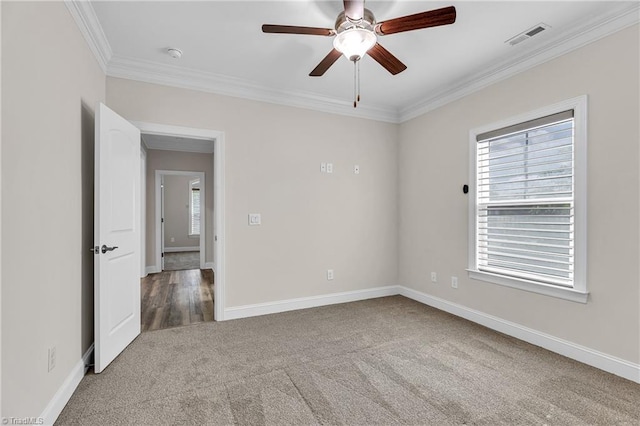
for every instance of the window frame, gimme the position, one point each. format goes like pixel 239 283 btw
pixel 190 192
pixel 578 293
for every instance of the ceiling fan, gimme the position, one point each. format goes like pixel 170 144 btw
pixel 356 34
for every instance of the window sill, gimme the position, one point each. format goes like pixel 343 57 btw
pixel 533 287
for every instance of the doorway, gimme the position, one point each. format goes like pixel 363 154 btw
pixel 181 225
pixel 192 288
pixel 181 293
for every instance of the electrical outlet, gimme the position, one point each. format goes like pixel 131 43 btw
pixel 434 277
pixel 173 239
pixel 454 282
pixel 329 167
pixel 329 274
pixel 51 358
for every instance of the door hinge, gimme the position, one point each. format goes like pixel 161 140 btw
pixel 162 255
pixel 162 220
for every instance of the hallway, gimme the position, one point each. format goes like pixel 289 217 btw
pixel 176 298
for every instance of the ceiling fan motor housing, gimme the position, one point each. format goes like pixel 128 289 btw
pixel 355 37
pixel 343 22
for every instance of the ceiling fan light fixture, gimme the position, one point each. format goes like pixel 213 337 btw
pixel 354 42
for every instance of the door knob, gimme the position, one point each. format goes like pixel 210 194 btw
pixel 106 249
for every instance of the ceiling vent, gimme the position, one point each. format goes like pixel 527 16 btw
pixel 537 29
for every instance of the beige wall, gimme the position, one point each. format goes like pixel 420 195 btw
pixel 176 212
pixel 52 83
pixel 311 221
pixel 181 161
pixel 433 164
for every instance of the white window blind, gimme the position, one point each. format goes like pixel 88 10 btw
pixel 194 211
pixel 525 200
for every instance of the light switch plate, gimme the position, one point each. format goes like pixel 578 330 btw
pixel 254 219
pixel 356 169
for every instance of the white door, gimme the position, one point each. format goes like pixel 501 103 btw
pixel 117 235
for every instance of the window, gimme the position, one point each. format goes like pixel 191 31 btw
pixel 194 207
pixel 528 219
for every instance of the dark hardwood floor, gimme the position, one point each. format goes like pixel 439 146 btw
pixel 176 298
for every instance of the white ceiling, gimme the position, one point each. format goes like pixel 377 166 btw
pixel 226 52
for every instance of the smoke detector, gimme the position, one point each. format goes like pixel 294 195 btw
pixel 174 53
pixel 527 34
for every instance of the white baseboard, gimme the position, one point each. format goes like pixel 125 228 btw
pixel 155 270
pixel 176 249
pixel 307 302
pixel 62 396
pixel 609 363
pixel 152 269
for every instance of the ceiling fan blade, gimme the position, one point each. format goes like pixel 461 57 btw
pixel 354 9
pixel 432 18
pixel 386 59
pixel 290 29
pixel 324 65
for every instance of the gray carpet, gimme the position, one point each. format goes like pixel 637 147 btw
pixel 382 361
pixel 181 260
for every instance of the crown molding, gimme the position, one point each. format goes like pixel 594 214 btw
pixel 89 25
pixel 589 31
pixel 169 75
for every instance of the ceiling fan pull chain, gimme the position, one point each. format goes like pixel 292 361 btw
pixel 358 98
pixel 355 85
